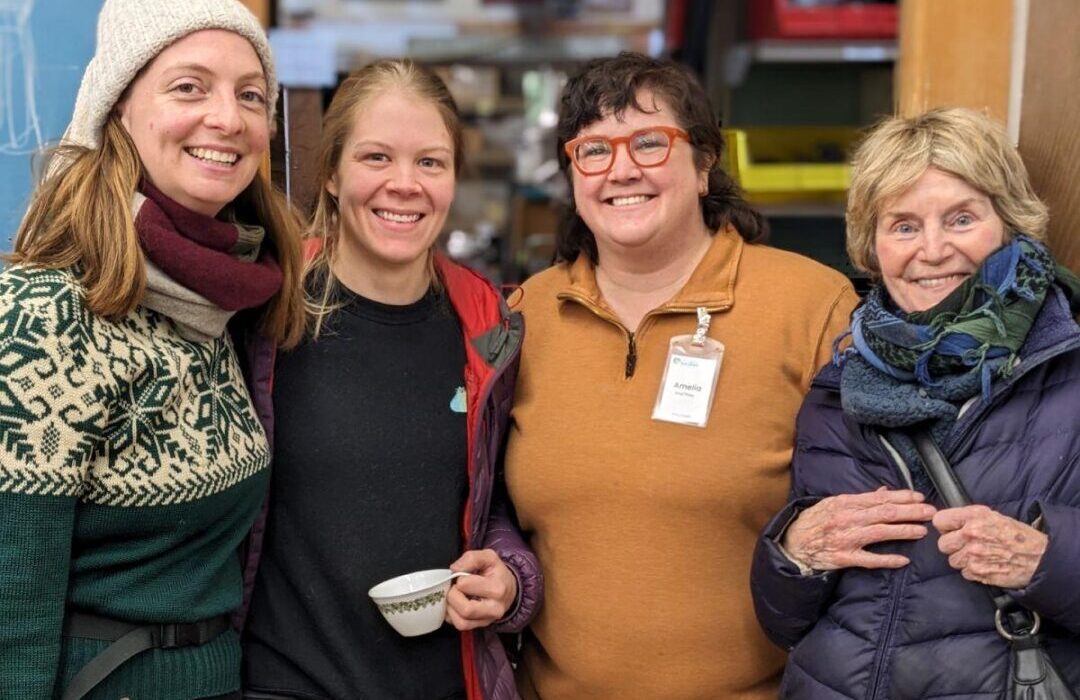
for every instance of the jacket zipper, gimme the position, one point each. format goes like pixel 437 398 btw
pixel 886 637
pixel 631 356
pixel 485 391
pixel 894 596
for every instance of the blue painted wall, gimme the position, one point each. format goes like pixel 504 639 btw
pixel 62 32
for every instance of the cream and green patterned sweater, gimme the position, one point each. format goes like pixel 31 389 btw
pixel 132 465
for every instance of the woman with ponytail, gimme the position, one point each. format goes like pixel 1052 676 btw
pixel 642 471
pixel 391 417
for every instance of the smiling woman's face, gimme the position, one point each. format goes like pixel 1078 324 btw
pixel 932 237
pixel 395 183
pixel 198 117
pixel 633 210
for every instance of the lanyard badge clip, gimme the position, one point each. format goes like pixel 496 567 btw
pixel 690 376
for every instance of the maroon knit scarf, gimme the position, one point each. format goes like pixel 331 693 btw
pixel 196 251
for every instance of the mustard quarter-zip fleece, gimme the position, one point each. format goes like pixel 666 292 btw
pixel 645 529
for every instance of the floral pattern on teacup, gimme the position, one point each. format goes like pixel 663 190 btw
pixel 430 599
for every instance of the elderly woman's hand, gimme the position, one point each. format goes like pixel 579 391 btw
pixel 483 598
pixel 832 533
pixel 989 547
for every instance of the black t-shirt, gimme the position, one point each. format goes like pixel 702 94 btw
pixel 369 481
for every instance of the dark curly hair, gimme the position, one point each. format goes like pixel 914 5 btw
pixel 613 85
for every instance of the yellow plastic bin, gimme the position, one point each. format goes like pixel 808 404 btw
pixel 791 164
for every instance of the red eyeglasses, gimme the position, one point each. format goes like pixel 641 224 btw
pixel 648 148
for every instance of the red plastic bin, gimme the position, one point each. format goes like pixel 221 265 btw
pixel 779 19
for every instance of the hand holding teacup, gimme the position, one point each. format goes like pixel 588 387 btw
pixel 483 598
pixel 419 602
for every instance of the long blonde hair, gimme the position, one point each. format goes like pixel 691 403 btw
pixel 82 216
pixel 354 92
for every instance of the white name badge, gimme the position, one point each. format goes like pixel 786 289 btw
pixel 689 382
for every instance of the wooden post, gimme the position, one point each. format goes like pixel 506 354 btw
pixel 297 144
pixel 260 8
pixel 1050 120
pixel 954 53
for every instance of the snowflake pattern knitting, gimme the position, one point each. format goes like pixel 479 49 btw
pixel 118 412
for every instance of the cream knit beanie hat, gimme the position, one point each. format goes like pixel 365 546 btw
pixel 131 33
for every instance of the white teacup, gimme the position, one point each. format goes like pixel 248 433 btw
pixel 415 603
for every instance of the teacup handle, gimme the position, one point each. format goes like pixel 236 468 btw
pixel 458 574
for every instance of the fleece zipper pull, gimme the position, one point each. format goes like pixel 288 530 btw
pixel 631 357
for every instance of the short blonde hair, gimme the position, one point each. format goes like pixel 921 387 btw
pixel 961 142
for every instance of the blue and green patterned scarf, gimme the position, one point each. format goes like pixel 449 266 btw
pixel 978 328
pixel 920 368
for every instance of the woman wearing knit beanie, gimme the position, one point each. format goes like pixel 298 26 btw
pixel 153 275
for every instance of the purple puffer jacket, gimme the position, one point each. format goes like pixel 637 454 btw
pixel 923 631
pixel 493 344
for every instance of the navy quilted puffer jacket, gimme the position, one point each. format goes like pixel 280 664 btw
pixel 923 631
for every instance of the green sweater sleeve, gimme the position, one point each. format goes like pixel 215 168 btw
pixel 50 423
pixel 35 548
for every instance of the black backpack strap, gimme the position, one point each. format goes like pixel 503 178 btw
pixel 130 640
